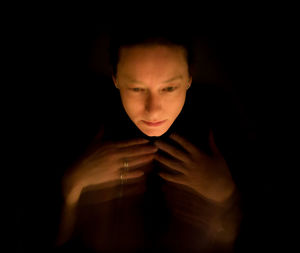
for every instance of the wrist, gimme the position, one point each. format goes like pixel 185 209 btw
pixel 71 189
pixel 218 193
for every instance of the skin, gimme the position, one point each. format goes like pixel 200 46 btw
pixel 207 175
pixel 153 81
pixel 144 76
pixel 102 163
pixel 99 166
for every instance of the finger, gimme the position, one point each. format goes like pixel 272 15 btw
pixel 137 150
pixel 178 179
pixel 129 143
pixel 184 143
pixel 178 154
pixel 138 161
pixel 133 174
pixel 175 165
pixel 212 143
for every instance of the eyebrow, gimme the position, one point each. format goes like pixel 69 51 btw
pixel 166 81
pixel 173 79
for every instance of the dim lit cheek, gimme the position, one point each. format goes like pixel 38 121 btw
pixel 175 106
pixel 133 109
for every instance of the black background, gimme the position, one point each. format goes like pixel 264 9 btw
pixel 62 82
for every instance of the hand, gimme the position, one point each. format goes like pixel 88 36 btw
pixel 103 163
pixel 207 175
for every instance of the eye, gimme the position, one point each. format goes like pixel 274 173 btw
pixel 170 89
pixel 137 89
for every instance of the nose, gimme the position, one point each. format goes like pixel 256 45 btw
pixel 153 106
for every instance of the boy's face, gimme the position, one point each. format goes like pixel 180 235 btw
pixel 153 81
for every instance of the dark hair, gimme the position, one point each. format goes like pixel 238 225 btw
pixel 123 36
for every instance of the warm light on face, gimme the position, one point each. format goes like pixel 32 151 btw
pixel 153 81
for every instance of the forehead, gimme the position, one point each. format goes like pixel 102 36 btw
pixel 154 60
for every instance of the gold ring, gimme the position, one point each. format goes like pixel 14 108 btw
pixel 123 172
pixel 125 165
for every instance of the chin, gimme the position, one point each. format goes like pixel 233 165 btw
pixel 153 132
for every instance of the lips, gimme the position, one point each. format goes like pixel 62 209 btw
pixel 154 124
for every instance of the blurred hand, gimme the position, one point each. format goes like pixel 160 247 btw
pixel 103 163
pixel 207 175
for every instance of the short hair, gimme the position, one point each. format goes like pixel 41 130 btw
pixel 124 36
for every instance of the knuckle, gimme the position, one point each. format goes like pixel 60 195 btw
pixel 146 158
pixel 149 149
pixel 150 156
pixel 112 155
pixel 141 150
pixel 187 173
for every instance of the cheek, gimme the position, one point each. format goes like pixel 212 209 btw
pixel 133 106
pixel 174 105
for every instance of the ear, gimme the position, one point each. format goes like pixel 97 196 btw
pixel 115 81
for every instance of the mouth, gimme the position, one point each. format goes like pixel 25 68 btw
pixel 154 124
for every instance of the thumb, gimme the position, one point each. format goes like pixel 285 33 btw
pixel 213 144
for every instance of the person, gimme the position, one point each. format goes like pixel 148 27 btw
pixel 159 175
